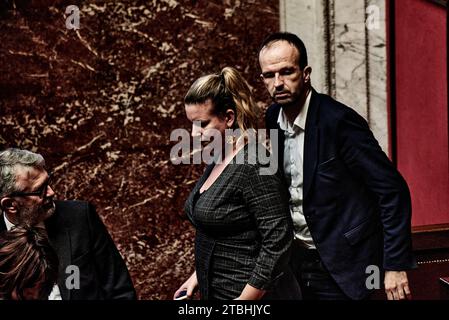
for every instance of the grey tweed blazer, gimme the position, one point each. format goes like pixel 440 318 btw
pixel 243 232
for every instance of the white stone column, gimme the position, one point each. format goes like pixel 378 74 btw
pixel 377 64
pixel 346 43
pixel 305 19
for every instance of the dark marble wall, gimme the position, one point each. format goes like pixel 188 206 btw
pixel 100 103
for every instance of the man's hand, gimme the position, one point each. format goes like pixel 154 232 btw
pixel 396 285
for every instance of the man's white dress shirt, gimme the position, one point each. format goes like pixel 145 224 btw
pixel 293 170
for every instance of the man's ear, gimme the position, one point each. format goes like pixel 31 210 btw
pixel 7 204
pixel 306 73
pixel 230 118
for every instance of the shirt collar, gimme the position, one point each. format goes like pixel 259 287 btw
pixel 300 120
pixel 10 225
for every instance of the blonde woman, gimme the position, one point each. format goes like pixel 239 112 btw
pixel 242 220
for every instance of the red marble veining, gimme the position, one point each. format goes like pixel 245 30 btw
pixel 100 103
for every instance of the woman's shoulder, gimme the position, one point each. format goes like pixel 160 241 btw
pixel 255 158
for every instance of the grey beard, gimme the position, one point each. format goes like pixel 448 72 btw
pixel 31 216
pixel 27 216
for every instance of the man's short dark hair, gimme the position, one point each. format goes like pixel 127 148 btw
pixel 292 39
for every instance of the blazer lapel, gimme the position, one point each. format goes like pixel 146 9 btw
pixel 280 146
pixel 59 237
pixel 200 183
pixel 311 143
pixel 272 124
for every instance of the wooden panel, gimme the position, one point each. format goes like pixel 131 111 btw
pixel 431 247
pixel 430 281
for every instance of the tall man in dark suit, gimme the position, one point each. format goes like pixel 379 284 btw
pixel 351 208
pixel 90 266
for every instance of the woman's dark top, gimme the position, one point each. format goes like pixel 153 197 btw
pixel 243 228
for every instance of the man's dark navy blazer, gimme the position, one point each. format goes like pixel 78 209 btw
pixel 356 204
